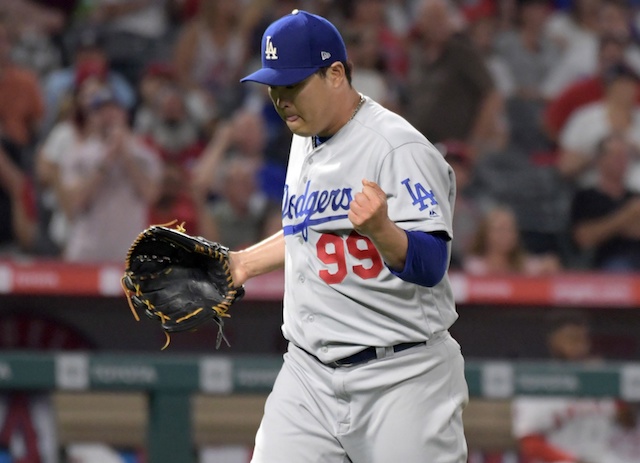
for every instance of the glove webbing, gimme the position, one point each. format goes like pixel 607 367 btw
pixel 220 309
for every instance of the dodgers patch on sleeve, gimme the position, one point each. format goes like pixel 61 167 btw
pixel 422 198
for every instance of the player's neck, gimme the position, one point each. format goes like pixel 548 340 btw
pixel 347 109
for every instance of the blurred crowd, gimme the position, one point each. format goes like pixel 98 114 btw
pixel 117 114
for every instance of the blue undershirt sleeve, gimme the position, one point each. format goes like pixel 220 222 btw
pixel 427 259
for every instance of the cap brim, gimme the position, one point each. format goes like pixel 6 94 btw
pixel 279 77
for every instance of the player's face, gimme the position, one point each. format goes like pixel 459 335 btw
pixel 305 106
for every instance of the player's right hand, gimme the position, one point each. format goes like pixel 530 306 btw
pixel 368 210
pixel 369 215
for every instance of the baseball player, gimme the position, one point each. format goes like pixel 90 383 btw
pixel 371 374
pixel 564 429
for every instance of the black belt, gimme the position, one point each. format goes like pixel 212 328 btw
pixel 369 354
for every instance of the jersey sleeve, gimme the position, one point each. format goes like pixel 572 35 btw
pixel 420 188
pixel 427 259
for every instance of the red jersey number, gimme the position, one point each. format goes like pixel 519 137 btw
pixel 331 251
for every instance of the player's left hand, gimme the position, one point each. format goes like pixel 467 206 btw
pixel 368 210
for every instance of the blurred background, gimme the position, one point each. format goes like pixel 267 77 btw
pixel 117 114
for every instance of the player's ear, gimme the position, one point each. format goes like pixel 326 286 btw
pixel 336 73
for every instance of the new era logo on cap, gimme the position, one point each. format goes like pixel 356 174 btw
pixel 296 46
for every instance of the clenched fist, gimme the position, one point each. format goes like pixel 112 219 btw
pixel 368 210
pixel 369 215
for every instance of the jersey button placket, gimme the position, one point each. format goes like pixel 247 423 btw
pixel 304 175
pixel 305 171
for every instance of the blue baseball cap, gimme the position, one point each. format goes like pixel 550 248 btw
pixel 295 46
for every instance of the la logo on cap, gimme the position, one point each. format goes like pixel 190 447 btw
pixel 270 52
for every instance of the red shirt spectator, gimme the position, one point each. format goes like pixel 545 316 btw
pixel 583 91
pixel 559 110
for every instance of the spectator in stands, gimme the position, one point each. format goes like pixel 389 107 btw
pixel 21 104
pixel 111 174
pixel 581 59
pixel 241 212
pixel 482 32
pixel 211 53
pixel 605 218
pixel 450 94
pixel 584 91
pixel 506 13
pixel 278 135
pixel 497 249
pixel 569 26
pixel 134 31
pixel 33 27
pixel 398 13
pixel 88 54
pixel 529 184
pixel 178 201
pixel 66 8
pixel 32 15
pixel 616 112
pixel 17 203
pixel 530 57
pixel 156 77
pixel 66 136
pixel 370 77
pixel 528 53
pixel 564 429
pixel 171 131
pixel 369 18
pixel 182 10
pixel 244 136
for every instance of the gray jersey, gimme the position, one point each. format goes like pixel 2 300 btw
pixel 339 295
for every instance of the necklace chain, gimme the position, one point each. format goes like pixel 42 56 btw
pixel 360 103
pixel 355 111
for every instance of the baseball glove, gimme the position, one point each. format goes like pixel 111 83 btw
pixel 179 280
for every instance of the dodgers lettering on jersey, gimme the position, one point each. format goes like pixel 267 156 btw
pixel 311 204
pixel 339 295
